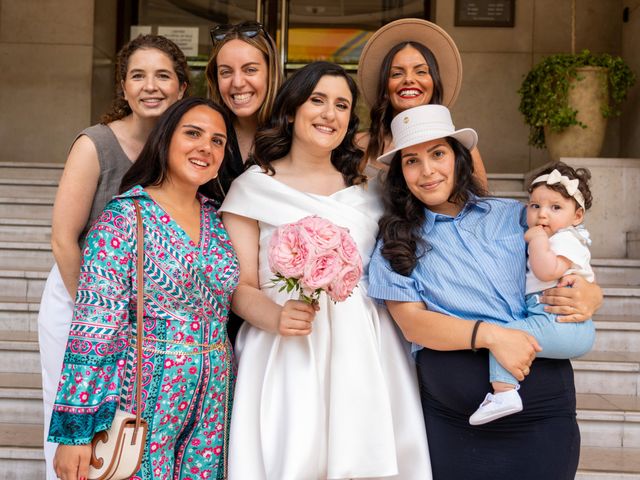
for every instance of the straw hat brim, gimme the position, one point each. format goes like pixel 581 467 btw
pixel 415 30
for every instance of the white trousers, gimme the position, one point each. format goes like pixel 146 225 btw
pixel 54 321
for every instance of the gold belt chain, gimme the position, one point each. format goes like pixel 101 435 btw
pixel 206 347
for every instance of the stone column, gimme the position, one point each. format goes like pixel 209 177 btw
pixel 615 213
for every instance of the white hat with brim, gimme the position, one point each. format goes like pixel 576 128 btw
pixel 425 123
pixel 417 30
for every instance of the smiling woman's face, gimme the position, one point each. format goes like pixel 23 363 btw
pixel 410 83
pixel 197 147
pixel 429 170
pixel 151 84
pixel 322 121
pixel 242 77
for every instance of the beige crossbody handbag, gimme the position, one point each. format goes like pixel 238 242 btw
pixel 116 453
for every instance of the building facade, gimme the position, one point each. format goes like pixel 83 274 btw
pixel 57 60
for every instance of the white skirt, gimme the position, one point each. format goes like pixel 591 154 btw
pixel 54 321
pixel 310 408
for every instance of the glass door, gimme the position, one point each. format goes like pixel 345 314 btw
pixel 305 30
pixel 337 30
pixel 190 21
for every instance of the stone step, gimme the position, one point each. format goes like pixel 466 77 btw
pixel 597 372
pixel 28 171
pixel 609 420
pixel 21 455
pixel 617 333
pixel 24 285
pixel 19 352
pixel 26 256
pixel 506 182
pixel 26 208
pixel 18 315
pixel 25 463
pixel 25 233
pixel 27 435
pixel 600 417
pixel 21 398
pixel 28 189
pixel 605 420
pixel 515 195
pixel 617 271
pixel 608 372
pixel 597 463
pixel 25 222
pixel 620 300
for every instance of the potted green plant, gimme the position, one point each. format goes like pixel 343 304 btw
pixel 554 105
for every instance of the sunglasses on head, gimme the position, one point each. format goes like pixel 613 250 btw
pixel 245 29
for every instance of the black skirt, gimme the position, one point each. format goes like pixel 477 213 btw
pixel 541 442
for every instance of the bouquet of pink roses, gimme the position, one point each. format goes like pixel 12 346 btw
pixel 314 255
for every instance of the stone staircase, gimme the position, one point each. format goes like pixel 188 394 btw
pixel 607 379
pixel 26 196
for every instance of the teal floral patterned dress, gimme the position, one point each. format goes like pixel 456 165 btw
pixel 187 372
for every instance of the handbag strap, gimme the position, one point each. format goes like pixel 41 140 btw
pixel 139 317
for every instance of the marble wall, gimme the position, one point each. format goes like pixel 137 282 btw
pixel 497 59
pixel 45 80
pixel 57 73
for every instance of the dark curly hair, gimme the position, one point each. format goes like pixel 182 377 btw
pixel 273 140
pixel 120 107
pixel 581 174
pixel 401 224
pixel 382 112
pixel 152 166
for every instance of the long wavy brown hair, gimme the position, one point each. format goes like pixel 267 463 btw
pixel 152 166
pixel 273 140
pixel 403 242
pixel 382 112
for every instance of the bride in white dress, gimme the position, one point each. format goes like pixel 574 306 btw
pixel 328 392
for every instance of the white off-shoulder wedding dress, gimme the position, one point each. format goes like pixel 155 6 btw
pixel 343 402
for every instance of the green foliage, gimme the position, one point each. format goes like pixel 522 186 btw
pixel 293 284
pixel 545 89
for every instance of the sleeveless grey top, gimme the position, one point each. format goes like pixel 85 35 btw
pixel 114 163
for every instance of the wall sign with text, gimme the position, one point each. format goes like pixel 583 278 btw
pixel 484 13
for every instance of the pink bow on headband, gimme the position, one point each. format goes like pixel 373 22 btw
pixel 571 186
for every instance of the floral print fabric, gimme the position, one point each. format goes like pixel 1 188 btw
pixel 187 374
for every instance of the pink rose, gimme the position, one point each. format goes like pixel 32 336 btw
pixel 320 270
pixel 348 249
pixel 344 283
pixel 320 232
pixel 309 255
pixel 288 251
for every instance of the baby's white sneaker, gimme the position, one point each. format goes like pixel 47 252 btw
pixel 497 405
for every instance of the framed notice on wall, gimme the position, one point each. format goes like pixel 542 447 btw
pixel 484 13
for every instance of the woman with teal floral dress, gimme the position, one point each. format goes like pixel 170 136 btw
pixel 190 272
